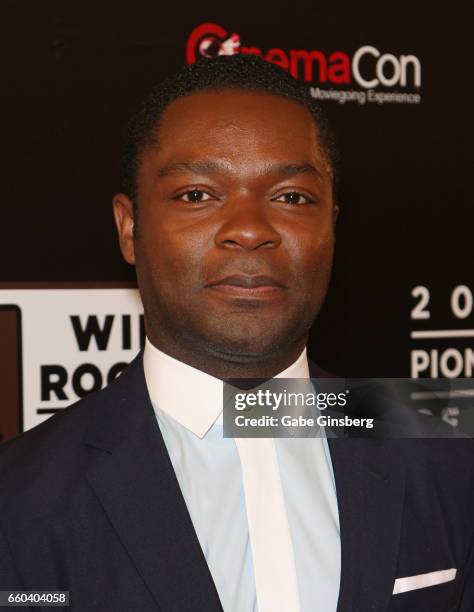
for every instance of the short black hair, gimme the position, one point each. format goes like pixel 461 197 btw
pixel 239 71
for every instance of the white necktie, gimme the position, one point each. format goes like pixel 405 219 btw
pixel 272 548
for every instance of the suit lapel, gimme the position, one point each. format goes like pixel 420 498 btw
pixel 370 487
pixel 135 482
pixel 370 484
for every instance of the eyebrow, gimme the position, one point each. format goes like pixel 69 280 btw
pixel 215 167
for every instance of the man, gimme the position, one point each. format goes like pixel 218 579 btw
pixel 132 499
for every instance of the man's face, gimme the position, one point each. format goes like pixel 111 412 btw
pixel 236 221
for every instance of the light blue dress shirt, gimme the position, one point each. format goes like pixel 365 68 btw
pixel 208 470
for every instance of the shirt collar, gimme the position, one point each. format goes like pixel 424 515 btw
pixel 190 396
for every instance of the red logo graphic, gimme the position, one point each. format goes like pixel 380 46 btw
pixel 209 39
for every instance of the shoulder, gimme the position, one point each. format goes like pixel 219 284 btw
pixel 53 453
pixel 438 456
pixel 439 485
pixel 438 469
pixel 441 456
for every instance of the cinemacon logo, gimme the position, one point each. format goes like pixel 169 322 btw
pixel 369 67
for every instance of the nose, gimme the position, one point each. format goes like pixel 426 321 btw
pixel 246 225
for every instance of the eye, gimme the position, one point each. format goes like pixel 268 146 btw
pixel 293 197
pixel 194 196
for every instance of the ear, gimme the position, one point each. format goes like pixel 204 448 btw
pixel 335 213
pixel 125 220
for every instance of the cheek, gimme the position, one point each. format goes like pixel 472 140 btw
pixel 312 253
pixel 158 255
pixel 170 255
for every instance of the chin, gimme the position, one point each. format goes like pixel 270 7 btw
pixel 248 345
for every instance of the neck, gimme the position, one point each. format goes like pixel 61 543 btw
pixel 224 365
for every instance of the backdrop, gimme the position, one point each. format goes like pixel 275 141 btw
pixel 396 85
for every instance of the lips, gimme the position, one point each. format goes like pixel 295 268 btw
pixel 245 287
pixel 247 282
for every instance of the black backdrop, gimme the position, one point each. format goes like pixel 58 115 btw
pixel 74 70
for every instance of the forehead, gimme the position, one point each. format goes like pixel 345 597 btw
pixel 240 126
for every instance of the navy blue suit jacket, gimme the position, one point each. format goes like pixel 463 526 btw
pixel 89 503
